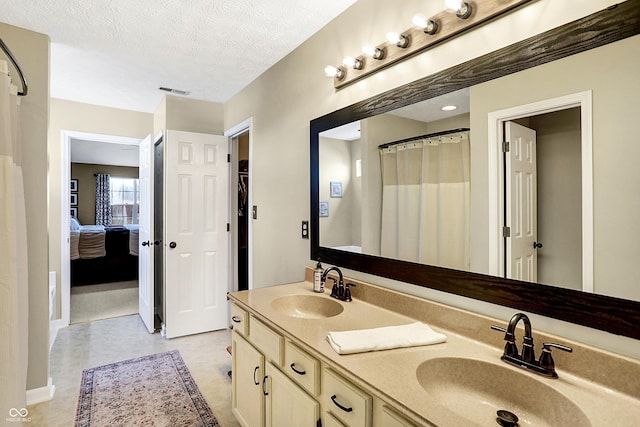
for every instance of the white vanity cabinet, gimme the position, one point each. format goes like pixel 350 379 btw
pixel 344 401
pixel 286 403
pixel 247 402
pixel 264 396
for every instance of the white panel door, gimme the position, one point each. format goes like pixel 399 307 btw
pixel 196 237
pixel 521 202
pixel 145 245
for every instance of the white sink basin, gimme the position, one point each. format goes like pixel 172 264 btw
pixel 476 390
pixel 307 306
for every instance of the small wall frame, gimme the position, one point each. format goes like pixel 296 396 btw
pixel 324 209
pixel 336 189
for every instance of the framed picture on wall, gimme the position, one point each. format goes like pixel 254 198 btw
pixel 336 189
pixel 324 209
pixel 74 185
pixel 74 212
pixel 74 199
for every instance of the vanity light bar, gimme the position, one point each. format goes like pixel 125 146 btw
pixel 441 27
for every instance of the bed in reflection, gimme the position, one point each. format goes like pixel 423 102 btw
pixel 102 254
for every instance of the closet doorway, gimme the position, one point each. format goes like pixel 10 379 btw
pixel 240 169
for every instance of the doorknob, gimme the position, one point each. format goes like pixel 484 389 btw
pixel 157 242
pixel 537 245
pixel 146 243
pixel 172 245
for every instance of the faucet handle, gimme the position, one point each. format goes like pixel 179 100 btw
pixel 510 348
pixel 347 292
pixel 546 359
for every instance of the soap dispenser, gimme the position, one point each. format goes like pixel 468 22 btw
pixel 318 283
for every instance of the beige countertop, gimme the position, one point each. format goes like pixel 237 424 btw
pixel 391 374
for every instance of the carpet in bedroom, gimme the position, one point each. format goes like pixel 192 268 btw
pixel 103 301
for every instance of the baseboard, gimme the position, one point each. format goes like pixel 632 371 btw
pixel 42 394
pixel 54 326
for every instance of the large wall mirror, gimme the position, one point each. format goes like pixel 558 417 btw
pixel 403 189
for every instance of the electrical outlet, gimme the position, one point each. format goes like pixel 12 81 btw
pixel 305 229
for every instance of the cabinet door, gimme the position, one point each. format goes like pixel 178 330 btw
pixel 287 405
pixel 247 401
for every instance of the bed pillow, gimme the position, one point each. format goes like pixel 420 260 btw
pixel 74 224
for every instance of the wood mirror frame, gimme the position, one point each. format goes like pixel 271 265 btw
pixel 614 315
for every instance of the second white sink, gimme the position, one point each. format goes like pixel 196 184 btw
pixel 476 390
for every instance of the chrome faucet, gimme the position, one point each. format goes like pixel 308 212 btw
pixel 339 289
pixel 527 359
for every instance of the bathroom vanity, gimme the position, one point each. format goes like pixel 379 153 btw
pixel 285 373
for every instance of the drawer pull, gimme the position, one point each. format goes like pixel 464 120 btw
pixel 344 408
pixel 236 319
pixel 264 382
pixel 254 376
pixel 293 368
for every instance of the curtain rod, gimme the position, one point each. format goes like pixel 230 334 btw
pixel 429 135
pixel 13 60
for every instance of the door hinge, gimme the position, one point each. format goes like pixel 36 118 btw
pixel 228 158
pixel 505 147
pixel 228 227
pixel 506 231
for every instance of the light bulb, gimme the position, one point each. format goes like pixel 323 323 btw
pixel 331 71
pixel 372 51
pixel 398 39
pixel 452 6
pixel 461 8
pixel 421 22
pixel 351 62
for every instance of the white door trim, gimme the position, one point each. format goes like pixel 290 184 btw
pixel 496 180
pixel 240 128
pixel 65 270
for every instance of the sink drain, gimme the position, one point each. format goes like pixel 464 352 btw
pixel 507 419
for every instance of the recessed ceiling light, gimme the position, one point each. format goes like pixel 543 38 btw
pixel 449 108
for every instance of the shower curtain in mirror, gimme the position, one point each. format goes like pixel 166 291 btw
pixel 425 201
pixel 103 199
pixel 13 256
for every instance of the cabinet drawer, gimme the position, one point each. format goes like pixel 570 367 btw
pixel 345 401
pixel 239 320
pixel 302 368
pixel 270 343
pixel 390 418
pixel 331 421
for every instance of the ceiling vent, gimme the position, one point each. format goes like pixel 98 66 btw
pixel 176 91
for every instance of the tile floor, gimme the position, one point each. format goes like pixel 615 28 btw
pixel 98 343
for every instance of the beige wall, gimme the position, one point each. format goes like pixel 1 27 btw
pixel 335 229
pixel 616 101
pixel 32 52
pixel 190 115
pixel 286 97
pixel 85 174
pixel 558 137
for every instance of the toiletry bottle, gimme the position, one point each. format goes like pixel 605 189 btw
pixel 318 286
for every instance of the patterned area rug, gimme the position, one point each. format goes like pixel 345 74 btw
pixel 155 390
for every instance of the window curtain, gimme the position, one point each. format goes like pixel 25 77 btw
pixel 13 255
pixel 425 201
pixel 103 199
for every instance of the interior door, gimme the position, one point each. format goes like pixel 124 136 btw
pixel 196 236
pixel 145 244
pixel 521 203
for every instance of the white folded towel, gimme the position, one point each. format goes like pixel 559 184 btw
pixel 388 337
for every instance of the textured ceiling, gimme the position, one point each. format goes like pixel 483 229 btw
pixel 118 53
